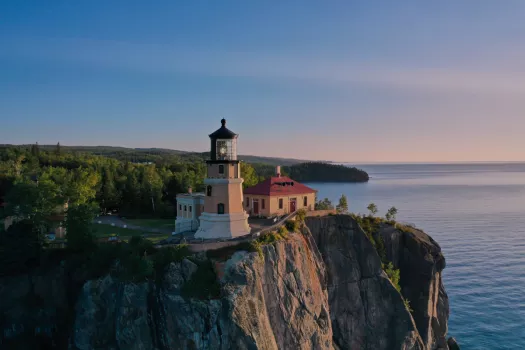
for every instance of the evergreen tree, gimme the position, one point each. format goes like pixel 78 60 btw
pixel 342 207
pixel 35 150
pixel 57 149
pixel 79 226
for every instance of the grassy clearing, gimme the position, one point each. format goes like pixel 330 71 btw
pixel 153 223
pixel 105 230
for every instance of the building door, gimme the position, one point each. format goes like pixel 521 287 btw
pixel 293 205
pixel 255 207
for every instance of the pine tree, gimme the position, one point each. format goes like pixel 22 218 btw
pixel 57 149
pixel 342 207
pixel 35 150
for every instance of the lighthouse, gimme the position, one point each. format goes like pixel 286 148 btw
pixel 223 215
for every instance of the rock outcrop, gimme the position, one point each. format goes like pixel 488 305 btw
pixel 275 302
pixel 323 288
pixel 367 312
pixel 420 261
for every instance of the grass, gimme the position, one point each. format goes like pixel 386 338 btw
pixel 105 230
pixel 153 223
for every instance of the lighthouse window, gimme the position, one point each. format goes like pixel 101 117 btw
pixel 220 208
pixel 221 169
pixel 208 190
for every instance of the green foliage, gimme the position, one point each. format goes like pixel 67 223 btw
pixel 325 172
pixel 249 175
pixel 300 216
pixel 342 207
pixel 20 248
pixel 391 214
pixel 372 208
pixel 164 256
pixel 292 225
pixel 203 283
pixel 393 275
pixel 135 261
pixel 79 226
pixel 324 204
pixel 36 202
pixel 407 305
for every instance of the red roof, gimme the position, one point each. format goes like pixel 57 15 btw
pixel 278 186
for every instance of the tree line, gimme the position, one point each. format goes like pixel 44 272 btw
pixel 33 177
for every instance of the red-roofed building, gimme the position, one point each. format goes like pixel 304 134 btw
pixel 278 195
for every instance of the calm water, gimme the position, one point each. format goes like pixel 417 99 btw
pixel 476 212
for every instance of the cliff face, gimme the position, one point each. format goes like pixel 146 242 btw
pixel 278 302
pixel 421 262
pixel 366 311
pixel 322 289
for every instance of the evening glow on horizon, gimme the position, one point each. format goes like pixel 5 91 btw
pixel 392 81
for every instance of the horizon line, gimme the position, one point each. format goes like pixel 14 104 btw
pixel 302 159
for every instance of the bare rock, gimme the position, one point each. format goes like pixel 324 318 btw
pixel 452 344
pixel 421 262
pixel 366 311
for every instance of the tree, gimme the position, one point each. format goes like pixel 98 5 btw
pixel 325 204
pixel 79 226
pixel 391 214
pixel 372 208
pixel 34 202
pixel 108 195
pixel 35 150
pixel 20 248
pixel 57 149
pixel 249 175
pixel 342 207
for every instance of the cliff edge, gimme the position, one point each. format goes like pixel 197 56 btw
pixel 321 288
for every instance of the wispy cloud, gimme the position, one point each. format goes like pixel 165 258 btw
pixel 507 78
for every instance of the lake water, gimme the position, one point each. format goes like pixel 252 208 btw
pixel 476 212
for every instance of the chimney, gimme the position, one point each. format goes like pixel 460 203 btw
pixel 278 171
pixel 189 190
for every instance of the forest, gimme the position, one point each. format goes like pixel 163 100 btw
pixel 135 182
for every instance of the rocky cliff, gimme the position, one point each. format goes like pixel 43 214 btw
pixel 323 288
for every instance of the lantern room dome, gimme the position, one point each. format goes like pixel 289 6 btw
pixel 223 132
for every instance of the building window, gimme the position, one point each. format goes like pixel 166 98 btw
pixel 180 207
pixel 208 190
pixel 221 169
pixel 190 208
pixel 247 202
pixel 262 204
pixel 185 208
pixel 220 208
pixel 281 203
pixel 305 201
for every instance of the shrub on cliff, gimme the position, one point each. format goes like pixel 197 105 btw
pixel 292 225
pixel 203 283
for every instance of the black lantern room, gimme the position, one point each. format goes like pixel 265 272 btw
pixel 223 145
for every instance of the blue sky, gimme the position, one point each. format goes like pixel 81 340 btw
pixel 342 80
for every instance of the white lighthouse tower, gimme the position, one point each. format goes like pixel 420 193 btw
pixel 224 215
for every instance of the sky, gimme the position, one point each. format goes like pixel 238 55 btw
pixel 349 81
